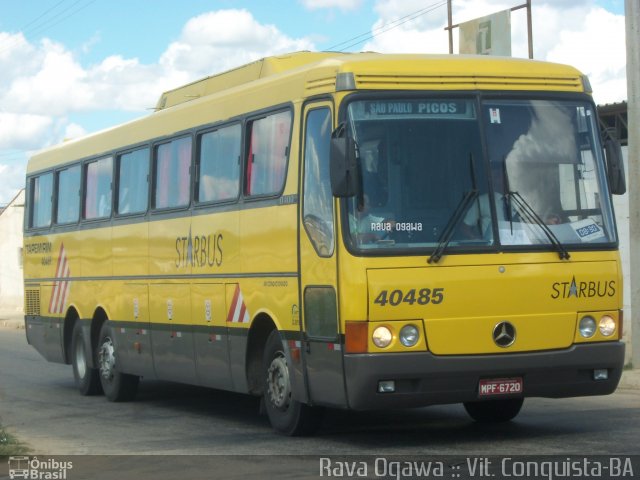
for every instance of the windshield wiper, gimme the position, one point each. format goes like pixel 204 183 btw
pixel 453 222
pixel 531 216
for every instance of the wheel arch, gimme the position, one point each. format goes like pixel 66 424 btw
pixel 260 329
pixel 99 318
pixel 70 320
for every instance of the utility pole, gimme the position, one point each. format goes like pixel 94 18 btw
pixel 632 21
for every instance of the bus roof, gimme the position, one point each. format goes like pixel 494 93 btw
pixel 299 75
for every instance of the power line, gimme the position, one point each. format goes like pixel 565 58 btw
pixel 24 27
pixel 41 23
pixel 385 28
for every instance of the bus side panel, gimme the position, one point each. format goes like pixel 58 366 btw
pixel 132 331
pixel 211 344
pixel 238 318
pixel 45 335
pixel 172 332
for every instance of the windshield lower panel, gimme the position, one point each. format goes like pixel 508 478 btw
pixel 539 168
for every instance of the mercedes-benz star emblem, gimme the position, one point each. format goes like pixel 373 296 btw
pixel 504 334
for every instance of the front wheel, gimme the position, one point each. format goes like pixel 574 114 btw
pixel 117 386
pixel 494 411
pixel 287 416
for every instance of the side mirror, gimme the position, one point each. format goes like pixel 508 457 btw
pixel 615 167
pixel 344 164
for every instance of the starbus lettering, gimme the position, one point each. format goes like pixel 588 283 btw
pixel 588 289
pixel 199 250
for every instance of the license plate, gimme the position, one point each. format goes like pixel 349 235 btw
pixel 500 386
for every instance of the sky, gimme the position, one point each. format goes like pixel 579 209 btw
pixel 73 67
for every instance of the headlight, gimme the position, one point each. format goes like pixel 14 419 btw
pixel 382 337
pixel 409 335
pixel 587 326
pixel 607 326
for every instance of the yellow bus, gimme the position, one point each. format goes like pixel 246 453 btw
pixel 361 231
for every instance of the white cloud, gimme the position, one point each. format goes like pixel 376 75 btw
pixel 12 181
pixel 343 5
pixel 575 32
pixel 217 41
pixel 23 131
pixel 42 84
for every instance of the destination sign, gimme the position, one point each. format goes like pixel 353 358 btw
pixel 413 108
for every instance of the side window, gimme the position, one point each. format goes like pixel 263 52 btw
pixel 97 195
pixel 68 195
pixel 267 154
pixel 172 161
pixel 133 182
pixel 219 164
pixel 40 199
pixel 318 201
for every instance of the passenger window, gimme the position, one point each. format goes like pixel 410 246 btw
pixel 97 200
pixel 219 165
pixel 133 182
pixel 318 200
pixel 41 192
pixel 267 154
pixel 68 195
pixel 172 173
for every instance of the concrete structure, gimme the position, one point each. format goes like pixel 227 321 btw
pixel 11 293
pixel 632 20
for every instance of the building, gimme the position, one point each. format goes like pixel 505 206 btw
pixel 11 292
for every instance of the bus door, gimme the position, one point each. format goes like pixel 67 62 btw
pixel 321 336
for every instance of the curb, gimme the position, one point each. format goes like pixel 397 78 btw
pixel 630 380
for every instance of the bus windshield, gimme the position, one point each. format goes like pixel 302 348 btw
pixel 536 180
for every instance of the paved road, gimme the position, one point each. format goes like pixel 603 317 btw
pixel 39 403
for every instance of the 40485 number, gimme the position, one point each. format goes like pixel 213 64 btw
pixel 423 296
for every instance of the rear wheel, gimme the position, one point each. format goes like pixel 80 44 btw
pixel 287 416
pixel 86 378
pixel 494 411
pixel 117 386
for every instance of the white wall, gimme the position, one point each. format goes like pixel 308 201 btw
pixel 621 206
pixel 11 278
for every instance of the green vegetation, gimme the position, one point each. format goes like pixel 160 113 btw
pixel 10 445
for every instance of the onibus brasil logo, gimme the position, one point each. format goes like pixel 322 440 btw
pixel 34 469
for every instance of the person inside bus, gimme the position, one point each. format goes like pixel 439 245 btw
pixel 365 226
pixel 373 179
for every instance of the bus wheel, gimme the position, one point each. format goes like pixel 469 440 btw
pixel 287 416
pixel 117 386
pixel 494 410
pixel 86 378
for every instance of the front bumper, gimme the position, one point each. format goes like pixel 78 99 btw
pixel 425 379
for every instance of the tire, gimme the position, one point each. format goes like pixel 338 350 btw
pixel 86 378
pixel 117 386
pixel 287 416
pixel 494 411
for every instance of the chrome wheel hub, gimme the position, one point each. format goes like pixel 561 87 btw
pixel 107 359
pixel 278 383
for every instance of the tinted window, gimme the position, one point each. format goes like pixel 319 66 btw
pixel 268 151
pixel 68 204
pixel 133 181
pixel 41 191
pixel 97 203
pixel 318 200
pixel 219 163
pixel 172 176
